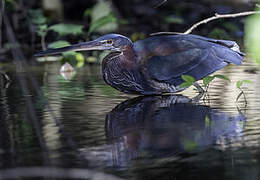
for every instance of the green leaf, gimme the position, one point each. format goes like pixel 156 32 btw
pixel 67 29
pixel 95 25
pixel 80 60
pixel 207 80
pixel 185 85
pixel 220 76
pixel 58 44
pixel 240 83
pixel 252 37
pixel 87 12
pixel 173 20
pixel 37 16
pixel 188 78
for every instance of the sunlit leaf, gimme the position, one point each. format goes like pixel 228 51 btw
pixel 102 18
pixel 58 44
pixel 240 83
pixel 67 29
pixel 220 76
pixel 207 80
pixel 95 25
pixel 185 85
pixel 252 36
pixel 80 60
pixel 188 78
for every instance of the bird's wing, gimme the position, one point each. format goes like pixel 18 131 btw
pixel 200 59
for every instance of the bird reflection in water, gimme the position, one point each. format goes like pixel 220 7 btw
pixel 161 126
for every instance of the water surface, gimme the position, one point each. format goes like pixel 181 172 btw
pixel 84 123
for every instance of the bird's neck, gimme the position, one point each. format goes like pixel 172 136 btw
pixel 128 56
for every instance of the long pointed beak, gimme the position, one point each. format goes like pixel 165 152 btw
pixel 85 46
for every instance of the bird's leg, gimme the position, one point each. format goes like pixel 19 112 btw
pixel 199 88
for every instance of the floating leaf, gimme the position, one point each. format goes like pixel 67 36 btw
pixel 67 29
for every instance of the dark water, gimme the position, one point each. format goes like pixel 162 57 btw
pixel 82 123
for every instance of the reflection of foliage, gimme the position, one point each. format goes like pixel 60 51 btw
pixel 70 89
pixel 105 89
pixel 252 36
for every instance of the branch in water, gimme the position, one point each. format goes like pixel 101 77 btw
pixel 217 16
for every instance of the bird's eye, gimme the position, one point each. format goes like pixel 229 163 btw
pixel 109 41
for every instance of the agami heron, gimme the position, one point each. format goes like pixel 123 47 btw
pixel 155 65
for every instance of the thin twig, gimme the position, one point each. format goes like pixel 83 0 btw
pixel 217 16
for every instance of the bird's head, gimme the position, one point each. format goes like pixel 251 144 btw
pixel 113 42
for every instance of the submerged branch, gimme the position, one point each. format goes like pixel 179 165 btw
pixel 217 16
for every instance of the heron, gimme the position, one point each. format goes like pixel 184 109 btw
pixel 155 65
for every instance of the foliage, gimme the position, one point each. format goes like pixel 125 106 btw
pixel 218 33
pixel 173 20
pixel 67 29
pixel 240 83
pixel 188 81
pixel 102 18
pixel 69 56
pixel 252 36
pixel 101 22
pixel 207 80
